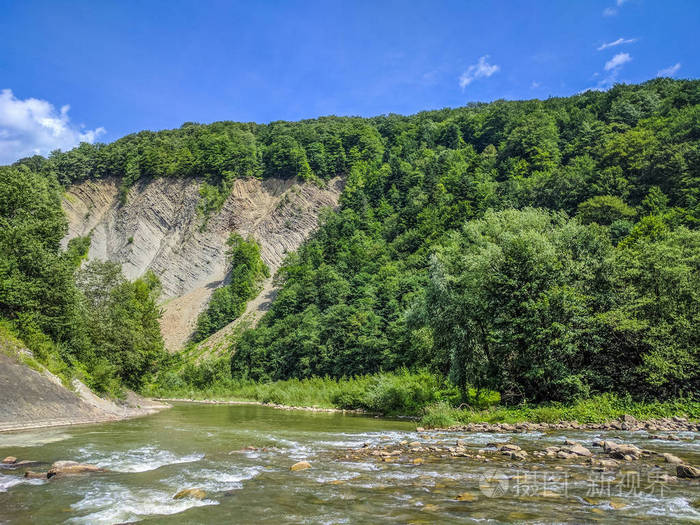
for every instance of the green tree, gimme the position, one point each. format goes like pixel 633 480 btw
pixel 604 210
pixel 120 322
pixel 509 301
pixel 228 302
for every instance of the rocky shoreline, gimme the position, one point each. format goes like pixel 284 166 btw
pixel 598 456
pixel 626 423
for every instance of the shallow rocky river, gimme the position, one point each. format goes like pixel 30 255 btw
pixel 362 470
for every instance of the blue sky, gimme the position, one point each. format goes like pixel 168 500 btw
pixel 99 69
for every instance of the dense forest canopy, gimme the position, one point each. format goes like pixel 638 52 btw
pixel 543 249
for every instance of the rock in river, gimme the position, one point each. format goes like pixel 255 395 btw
pixel 670 458
pixel 302 465
pixel 71 468
pixel 30 474
pixel 622 451
pixel 190 493
pixel 687 471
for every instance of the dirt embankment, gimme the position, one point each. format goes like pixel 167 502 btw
pixel 33 399
pixel 160 229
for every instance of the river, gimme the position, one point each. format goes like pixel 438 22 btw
pixel 241 455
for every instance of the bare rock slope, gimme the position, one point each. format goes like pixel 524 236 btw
pixel 36 398
pixel 160 229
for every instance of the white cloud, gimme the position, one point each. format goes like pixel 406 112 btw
pixel 617 61
pixel 669 71
pixel 611 11
pixel 482 69
pixel 33 126
pixel 617 42
pixel 613 67
pixel 535 84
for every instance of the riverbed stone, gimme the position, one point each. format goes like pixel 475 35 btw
pixel 26 463
pixel 35 475
pixel 624 451
pixel 10 460
pixel 71 468
pixel 301 465
pixel 578 450
pixel 670 458
pixel 467 496
pixel 687 471
pixel 604 463
pixel 193 493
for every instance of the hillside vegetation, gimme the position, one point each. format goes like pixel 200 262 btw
pixel 537 251
pixel 545 250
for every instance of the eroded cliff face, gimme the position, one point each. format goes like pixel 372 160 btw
pixel 159 229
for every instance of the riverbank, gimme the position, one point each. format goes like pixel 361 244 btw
pixel 38 399
pixel 604 411
pixel 625 422
pixel 422 396
pixel 259 403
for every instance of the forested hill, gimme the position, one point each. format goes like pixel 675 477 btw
pixel 542 249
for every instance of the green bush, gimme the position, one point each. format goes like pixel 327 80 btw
pixel 103 379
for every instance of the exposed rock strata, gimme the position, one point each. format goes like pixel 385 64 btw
pixel 160 229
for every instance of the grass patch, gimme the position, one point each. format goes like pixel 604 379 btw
pixel 408 393
pixel 597 409
pixel 34 350
pixel 398 393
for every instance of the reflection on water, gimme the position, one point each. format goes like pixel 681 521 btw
pixel 241 456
